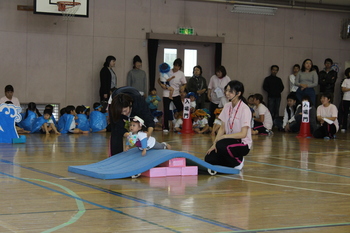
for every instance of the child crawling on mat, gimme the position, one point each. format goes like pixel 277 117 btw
pixel 138 137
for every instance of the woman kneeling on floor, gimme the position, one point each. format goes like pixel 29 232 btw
pixel 233 140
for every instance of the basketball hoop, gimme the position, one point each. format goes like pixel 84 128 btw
pixel 68 9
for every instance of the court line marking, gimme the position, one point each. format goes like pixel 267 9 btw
pixel 80 205
pixel 289 228
pixel 73 219
pixel 300 169
pixel 172 210
pixel 89 202
pixel 293 187
pixel 298 181
pixel 294 160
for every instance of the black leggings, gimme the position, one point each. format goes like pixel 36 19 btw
pixel 229 153
pixel 212 108
pixel 325 130
pixel 260 128
pixel 166 103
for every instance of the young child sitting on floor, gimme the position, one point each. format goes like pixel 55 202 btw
pixel 81 119
pixel 29 117
pixel 67 122
pixel 262 119
pixel 200 123
pixel 139 138
pixel 44 124
pixel 192 96
pixel 217 122
pixel 98 120
pixel 178 121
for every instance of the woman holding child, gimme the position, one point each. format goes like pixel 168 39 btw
pixel 178 80
pixel 233 140
pixel 127 102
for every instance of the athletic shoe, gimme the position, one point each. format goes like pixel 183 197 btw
pixel 343 130
pixel 239 167
pixel 165 131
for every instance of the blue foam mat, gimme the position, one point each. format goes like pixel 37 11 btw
pixel 130 163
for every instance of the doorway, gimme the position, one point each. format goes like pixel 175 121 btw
pixel 205 57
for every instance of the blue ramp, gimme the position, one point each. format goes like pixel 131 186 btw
pixel 131 163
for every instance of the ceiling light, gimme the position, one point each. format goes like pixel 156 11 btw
pixel 253 9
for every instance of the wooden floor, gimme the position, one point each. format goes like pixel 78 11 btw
pixel 287 185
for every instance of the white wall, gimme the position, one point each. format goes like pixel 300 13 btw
pixel 48 60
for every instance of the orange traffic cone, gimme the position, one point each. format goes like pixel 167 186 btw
pixel 187 125
pixel 187 119
pixel 304 130
pixel 305 123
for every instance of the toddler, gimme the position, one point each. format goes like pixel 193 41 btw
pixel 137 137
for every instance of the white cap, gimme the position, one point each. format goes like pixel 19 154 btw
pixel 136 118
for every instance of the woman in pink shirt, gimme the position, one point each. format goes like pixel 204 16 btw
pixel 233 140
pixel 216 91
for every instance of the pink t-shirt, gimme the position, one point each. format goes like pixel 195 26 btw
pixel 14 100
pixel 236 118
pixel 217 83
pixel 330 111
pixel 176 83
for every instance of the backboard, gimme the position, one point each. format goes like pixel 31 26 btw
pixel 50 7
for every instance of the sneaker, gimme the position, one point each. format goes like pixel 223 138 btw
pixel 239 167
pixel 343 130
pixel 165 131
pixel 269 132
pixel 326 138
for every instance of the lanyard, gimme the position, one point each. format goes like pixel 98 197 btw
pixel 230 113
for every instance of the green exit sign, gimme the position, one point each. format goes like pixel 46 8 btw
pixel 185 31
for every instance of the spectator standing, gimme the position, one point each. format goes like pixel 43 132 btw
pixel 306 79
pixel 137 77
pixel 327 77
pixel 292 86
pixel 198 85
pixel 216 91
pixel 273 85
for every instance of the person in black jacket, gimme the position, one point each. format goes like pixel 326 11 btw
pixel 273 85
pixel 108 79
pixel 327 77
pixel 198 85
pixel 127 102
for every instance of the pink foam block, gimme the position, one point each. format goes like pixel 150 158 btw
pixel 155 172
pixel 189 171
pixel 175 162
pixel 173 171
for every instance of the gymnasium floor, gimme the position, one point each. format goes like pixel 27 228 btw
pixel 287 185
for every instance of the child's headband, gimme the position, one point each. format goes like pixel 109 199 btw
pixel 98 107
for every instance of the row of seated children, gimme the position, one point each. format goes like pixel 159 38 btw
pixel 70 122
pixel 199 121
pixel 81 120
pixel 293 116
pixel 33 121
pixel 326 114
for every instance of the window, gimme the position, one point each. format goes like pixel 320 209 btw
pixel 41 108
pixel 169 56
pixel 190 61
